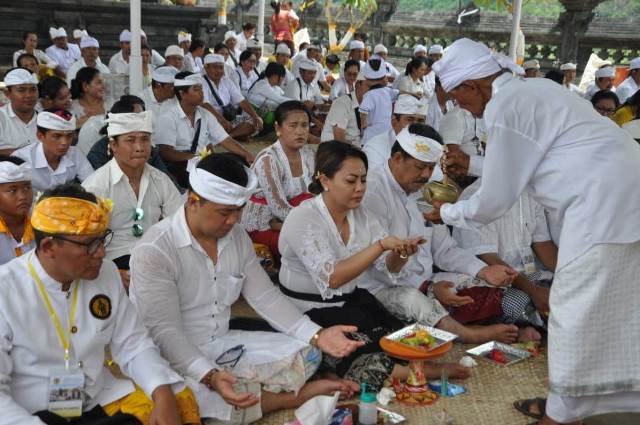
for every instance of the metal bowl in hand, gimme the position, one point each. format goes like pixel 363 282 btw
pixel 439 191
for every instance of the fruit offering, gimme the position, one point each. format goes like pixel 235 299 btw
pixel 531 346
pixel 419 339
pixel 497 356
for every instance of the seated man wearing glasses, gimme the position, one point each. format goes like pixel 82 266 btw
pixel 142 195
pixel 189 269
pixel 61 305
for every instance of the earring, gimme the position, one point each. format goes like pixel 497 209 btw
pixel 326 189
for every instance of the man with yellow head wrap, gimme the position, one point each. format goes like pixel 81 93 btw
pixel 61 306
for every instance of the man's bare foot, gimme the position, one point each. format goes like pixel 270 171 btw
pixel 501 333
pixel 311 389
pixel 528 334
pixel 454 370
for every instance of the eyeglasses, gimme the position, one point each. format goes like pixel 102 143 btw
pixel 93 246
pixel 606 111
pixel 137 229
pixel 231 357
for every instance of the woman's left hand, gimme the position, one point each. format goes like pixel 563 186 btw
pixel 334 342
pixel 408 247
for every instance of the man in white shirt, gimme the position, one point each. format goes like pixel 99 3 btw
pixel 632 83
pixel 392 191
pixel 247 33
pixel 89 49
pixel 531 68
pixel 569 69
pixel 223 99
pixel 53 160
pixel 420 51
pixel 18 117
pixel 190 268
pixel 16 199
pixel 304 87
pixel 52 361
pixel 231 42
pixel 119 63
pixel 356 52
pixel 312 53
pixel 435 52
pixel 159 94
pixel 283 57
pixel 603 81
pixel 392 72
pixel 343 121
pixel 186 128
pixel 184 41
pixel 62 52
pixel 174 56
pixel 556 154
pixel 407 110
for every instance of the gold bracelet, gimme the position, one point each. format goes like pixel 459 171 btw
pixel 206 380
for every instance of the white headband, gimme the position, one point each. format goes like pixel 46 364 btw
pixel 253 44
pixel 406 105
pixel 183 36
pixel 372 74
pixel 380 49
pixel 634 64
pixel 129 122
pixel 531 64
pixel 283 49
pixel 607 71
pixel 307 64
pixel 191 80
pixel 467 60
pixel 125 36
pixel 436 49
pixel 421 148
pixel 419 48
pixel 57 33
pixel 11 173
pixel 356 44
pixel 80 34
pixel 52 121
pixel 218 190
pixel 165 74
pixel 229 35
pixel 568 67
pixel 174 50
pixel 89 42
pixel 19 76
pixel 213 58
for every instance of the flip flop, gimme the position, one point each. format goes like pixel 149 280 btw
pixel 523 406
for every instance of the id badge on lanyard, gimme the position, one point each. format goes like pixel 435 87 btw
pixel 526 253
pixel 66 391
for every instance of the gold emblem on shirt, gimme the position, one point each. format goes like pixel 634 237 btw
pixel 100 306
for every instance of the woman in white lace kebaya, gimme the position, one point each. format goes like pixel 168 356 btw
pixel 284 172
pixel 328 244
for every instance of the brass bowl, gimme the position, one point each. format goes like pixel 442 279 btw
pixel 438 191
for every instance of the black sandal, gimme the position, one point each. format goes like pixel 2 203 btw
pixel 523 406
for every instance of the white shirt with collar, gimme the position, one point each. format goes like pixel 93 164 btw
pixel 342 115
pixel 42 57
pixel 72 165
pixel 627 89
pixel 339 88
pixel 10 248
pixel 157 196
pixel 117 64
pixel 244 81
pixel 226 90
pixel 398 214
pixel 64 58
pixel 152 104
pixel 175 129
pixel 264 95
pixel 79 64
pixel 192 64
pixel 185 300
pixel 299 90
pixel 14 133
pixel 377 104
pixel 378 148
pixel 30 347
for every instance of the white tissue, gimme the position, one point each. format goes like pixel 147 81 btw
pixel 385 396
pixel 467 361
pixel 318 410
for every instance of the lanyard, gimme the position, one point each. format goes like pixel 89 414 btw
pixel 65 340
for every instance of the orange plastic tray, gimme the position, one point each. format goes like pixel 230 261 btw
pixel 404 352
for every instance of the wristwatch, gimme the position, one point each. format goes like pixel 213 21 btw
pixel 315 338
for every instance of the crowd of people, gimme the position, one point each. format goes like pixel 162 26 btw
pixel 121 227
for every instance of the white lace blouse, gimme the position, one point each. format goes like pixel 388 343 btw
pixel 276 185
pixel 310 245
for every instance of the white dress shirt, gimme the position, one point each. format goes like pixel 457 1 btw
pixel 434 112
pixel 378 148
pixel 377 104
pixel 192 64
pixel 152 104
pixel 79 64
pixel 399 216
pixel 14 133
pixel 227 91
pixel 311 245
pixel 42 57
pixel 520 227
pixel 64 58
pixel 554 150
pixel 243 80
pixel 299 90
pixel 117 64
pixel 185 300
pixel 72 165
pixel 342 114
pixel 264 95
pixel 627 89
pixel 157 196
pixel 276 185
pixel 175 129
pixel 339 88
pixel 30 346
pixel 593 89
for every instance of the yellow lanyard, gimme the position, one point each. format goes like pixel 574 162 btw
pixel 65 340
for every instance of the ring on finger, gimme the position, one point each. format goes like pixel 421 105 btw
pixel 403 254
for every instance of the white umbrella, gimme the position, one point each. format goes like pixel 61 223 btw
pixel 135 60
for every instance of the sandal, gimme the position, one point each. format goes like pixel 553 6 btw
pixel 524 407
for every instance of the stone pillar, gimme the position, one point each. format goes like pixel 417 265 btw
pixel 573 23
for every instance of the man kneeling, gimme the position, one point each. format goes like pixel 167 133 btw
pixel 61 305
pixel 189 269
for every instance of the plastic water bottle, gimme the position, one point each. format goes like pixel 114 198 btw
pixel 368 414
